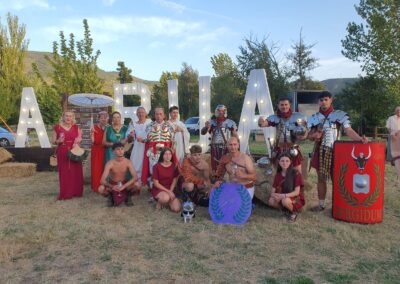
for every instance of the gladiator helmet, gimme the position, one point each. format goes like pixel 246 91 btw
pixel 224 108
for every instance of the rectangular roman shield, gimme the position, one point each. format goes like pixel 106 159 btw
pixel 358 181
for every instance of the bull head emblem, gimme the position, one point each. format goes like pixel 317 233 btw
pixel 361 160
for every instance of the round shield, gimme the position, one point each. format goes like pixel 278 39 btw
pixel 230 204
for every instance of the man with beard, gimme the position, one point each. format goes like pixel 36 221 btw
pixel 221 129
pixel 286 123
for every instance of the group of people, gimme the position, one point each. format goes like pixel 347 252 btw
pixel 162 160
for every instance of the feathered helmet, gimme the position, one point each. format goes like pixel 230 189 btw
pixel 221 107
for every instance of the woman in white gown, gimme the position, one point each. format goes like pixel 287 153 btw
pixel 137 131
pixel 182 135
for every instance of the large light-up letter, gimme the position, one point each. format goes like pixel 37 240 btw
pixel 172 93
pixel 138 89
pixel 257 92
pixel 30 117
pixel 204 109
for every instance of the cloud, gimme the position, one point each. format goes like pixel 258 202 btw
pixel 108 29
pixel 336 67
pixel 24 4
pixel 108 2
pixel 177 8
pixel 203 38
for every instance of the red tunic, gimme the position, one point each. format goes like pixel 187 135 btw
pixel 97 157
pixel 164 175
pixel 70 173
pixel 298 201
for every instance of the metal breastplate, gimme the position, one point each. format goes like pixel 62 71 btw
pixel 160 132
pixel 330 133
pixel 219 134
pixel 283 132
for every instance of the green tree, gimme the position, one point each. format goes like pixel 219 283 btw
pixel 188 89
pixel 257 54
pixel 13 47
pixel 74 65
pixel 308 84
pixel 160 90
pixel 227 86
pixel 367 102
pixel 377 43
pixel 48 99
pixel 124 73
pixel 302 62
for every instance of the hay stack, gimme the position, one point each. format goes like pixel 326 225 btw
pixel 4 155
pixel 263 185
pixel 17 169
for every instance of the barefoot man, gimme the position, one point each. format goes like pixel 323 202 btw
pixel 239 166
pixel 114 178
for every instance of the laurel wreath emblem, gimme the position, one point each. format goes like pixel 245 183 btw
pixel 241 214
pixel 214 204
pixel 350 199
pixel 245 206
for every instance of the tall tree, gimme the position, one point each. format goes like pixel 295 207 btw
pixel 13 47
pixel 124 73
pixel 367 101
pixel 227 86
pixel 74 65
pixel 257 54
pixel 160 90
pixel 377 43
pixel 222 64
pixel 188 89
pixel 302 62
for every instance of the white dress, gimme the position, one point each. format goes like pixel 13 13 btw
pixel 138 147
pixel 181 140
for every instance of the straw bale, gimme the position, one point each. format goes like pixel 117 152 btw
pixel 4 155
pixel 17 169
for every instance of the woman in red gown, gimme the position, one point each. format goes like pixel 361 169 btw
pixel 97 155
pixel 66 134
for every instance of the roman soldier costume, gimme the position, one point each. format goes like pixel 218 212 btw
pixel 288 125
pixel 220 129
pixel 159 136
pixel 329 123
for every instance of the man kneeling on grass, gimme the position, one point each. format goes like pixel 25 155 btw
pixel 114 182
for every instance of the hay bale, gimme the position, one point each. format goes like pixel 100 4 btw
pixel 17 169
pixel 4 155
pixel 263 185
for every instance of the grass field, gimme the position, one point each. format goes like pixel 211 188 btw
pixel 81 241
pixel 43 240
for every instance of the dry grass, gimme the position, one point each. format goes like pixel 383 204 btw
pixel 16 170
pixel 82 241
pixel 4 155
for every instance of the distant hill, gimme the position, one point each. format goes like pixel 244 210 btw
pixel 335 86
pixel 110 77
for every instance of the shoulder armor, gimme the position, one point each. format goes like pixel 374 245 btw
pixel 229 123
pixel 274 119
pixel 314 120
pixel 340 117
